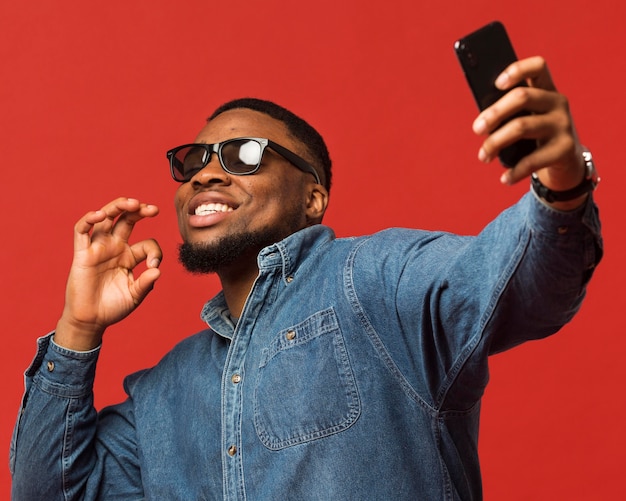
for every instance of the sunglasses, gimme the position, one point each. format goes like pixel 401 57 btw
pixel 239 156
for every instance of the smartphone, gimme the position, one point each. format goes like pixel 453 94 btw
pixel 484 54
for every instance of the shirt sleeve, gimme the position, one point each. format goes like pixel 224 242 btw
pixel 548 284
pixel 56 452
pixel 443 303
pixel 527 274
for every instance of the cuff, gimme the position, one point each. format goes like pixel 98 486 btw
pixel 564 227
pixel 62 372
pixel 546 218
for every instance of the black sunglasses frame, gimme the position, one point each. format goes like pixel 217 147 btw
pixel 290 156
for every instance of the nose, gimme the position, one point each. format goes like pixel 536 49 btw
pixel 211 173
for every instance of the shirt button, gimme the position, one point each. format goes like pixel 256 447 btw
pixel 232 450
pixel 236 378
pixel 50 366
pixel 289 279
pixel 562 230
pixel 291 335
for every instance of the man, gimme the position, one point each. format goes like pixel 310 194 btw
pixel 331 368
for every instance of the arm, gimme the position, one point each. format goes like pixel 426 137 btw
pixel 53 452
pixel 559 243
pixel 522 278
pixel 559 165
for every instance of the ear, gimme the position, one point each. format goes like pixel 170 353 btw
pixel 317 201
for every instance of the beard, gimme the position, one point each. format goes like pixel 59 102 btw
pixel 210 257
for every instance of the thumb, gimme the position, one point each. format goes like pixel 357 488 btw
pixel 144 284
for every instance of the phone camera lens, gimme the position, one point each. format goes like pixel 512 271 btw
pixel 471 58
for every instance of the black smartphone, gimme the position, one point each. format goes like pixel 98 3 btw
pixel 484 54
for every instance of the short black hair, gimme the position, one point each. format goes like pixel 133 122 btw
pixel 296 126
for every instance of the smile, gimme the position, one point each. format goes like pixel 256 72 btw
pixel 212 208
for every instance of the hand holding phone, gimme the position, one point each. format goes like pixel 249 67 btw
pixel 483 55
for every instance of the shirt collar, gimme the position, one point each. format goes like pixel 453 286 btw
pixel 288 254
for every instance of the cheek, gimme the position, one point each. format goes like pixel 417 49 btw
pixel 289 209
pixel 282 195
pixel 179 205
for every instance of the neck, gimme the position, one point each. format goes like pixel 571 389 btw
pixel 237 280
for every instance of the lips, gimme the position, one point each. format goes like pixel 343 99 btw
pixel 210 203
pixel 207 209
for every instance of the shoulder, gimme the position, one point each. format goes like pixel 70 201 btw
pixel 403 245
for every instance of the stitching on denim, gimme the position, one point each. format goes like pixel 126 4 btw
pixel 499 288
pixel 67 451
pixel 357 308
pixel 317 325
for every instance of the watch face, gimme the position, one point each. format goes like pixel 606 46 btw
pixel 592 173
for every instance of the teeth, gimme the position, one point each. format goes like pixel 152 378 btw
pixel 212 208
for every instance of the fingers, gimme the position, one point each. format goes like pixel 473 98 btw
pixel 543 127
pixel 534 112
pixel 519 99
pixel 117 218
pixel 83 227
pixel 142 286
pixel 533 70
pixel 560 150
pixel 148 251
pixel 123 227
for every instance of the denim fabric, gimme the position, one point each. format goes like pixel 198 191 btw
pixel 356 371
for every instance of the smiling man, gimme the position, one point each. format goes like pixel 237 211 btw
pixel 226 218
pixel 330 368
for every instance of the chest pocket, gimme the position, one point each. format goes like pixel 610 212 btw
pixel 305 388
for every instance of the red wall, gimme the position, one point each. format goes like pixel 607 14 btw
pixel 92 95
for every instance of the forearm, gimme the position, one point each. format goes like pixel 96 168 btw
pixel 548 285
pixel 52 452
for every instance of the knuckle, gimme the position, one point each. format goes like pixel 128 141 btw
pixel 527 165
pixel 564 123
pixel 542 62
pixel 520 94
pixel 521 126
pixel 563 102
pixel 568 143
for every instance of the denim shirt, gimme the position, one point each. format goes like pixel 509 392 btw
pixel 355 371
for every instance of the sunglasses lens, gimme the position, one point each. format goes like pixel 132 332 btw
pixel 187 161
pixel 241 156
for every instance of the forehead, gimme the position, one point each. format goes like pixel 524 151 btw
pixel 243 122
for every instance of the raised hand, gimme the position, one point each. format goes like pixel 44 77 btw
pixel 101 287
pixel 558 159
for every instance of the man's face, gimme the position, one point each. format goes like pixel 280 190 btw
pixel 224 218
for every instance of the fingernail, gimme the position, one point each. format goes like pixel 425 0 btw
pixel 506 178
pixel 154 263
pixel 502 80
pixel 482 156
pixel 480 126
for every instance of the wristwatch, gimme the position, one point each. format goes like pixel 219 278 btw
pixel 589 183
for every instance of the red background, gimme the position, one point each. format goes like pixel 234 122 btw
pixel 93 94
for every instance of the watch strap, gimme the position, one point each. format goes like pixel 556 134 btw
pixel 589 183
